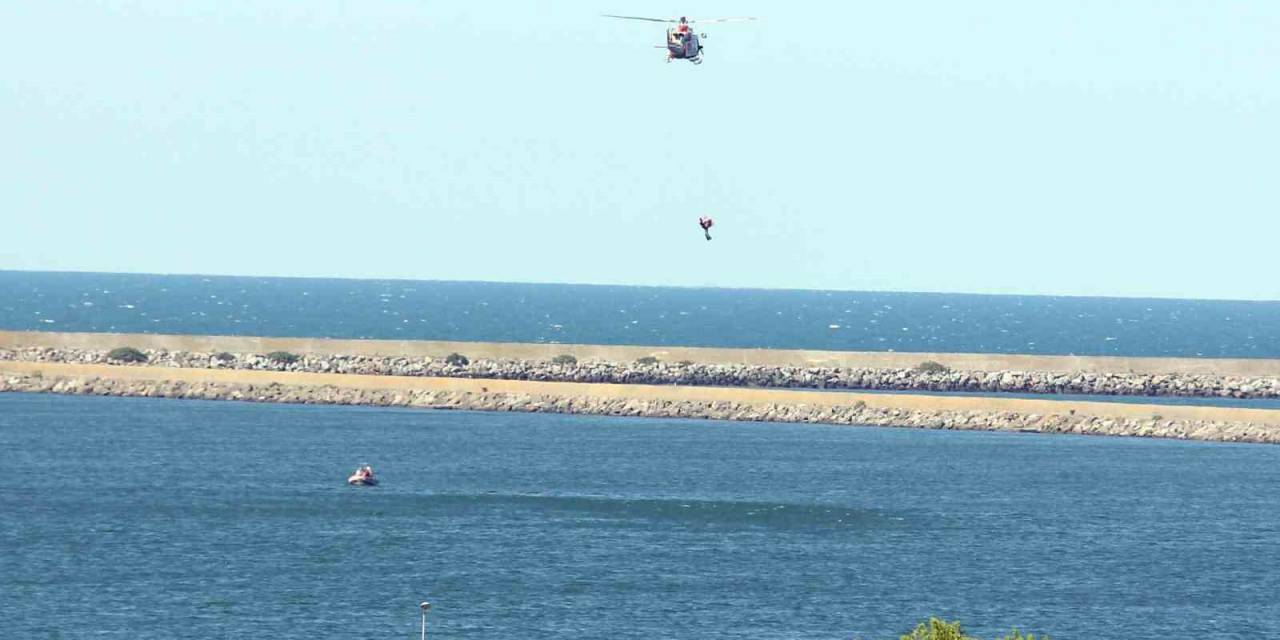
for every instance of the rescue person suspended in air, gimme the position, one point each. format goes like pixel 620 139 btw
pixel 705 223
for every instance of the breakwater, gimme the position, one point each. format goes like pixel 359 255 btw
pixel 543 352
pixel 1040 416
pixel 687 383
pixel 926 376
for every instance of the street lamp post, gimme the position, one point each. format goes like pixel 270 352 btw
pixel 426 606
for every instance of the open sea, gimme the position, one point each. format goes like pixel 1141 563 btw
pixel 484 311
pixel 140 518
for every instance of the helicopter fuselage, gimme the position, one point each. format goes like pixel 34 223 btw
pixel 684 46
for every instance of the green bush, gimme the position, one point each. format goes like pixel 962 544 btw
pixel 126 354
pixel 564 359
pixel 282 357
pixel 685 363
pixel 1018 636
pixel 936 629
pixel 929 366
pixel 223 357
pixel 456 360
pixel 647 361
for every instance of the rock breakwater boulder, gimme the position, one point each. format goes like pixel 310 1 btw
pixel 695 374
pixel 860 415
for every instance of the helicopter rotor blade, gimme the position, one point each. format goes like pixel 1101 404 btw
pixel 610 15
pixel 742 19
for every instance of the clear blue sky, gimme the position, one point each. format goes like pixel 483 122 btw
pixel 1095 148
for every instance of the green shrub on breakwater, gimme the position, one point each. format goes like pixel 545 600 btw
pixel 126 354
pixel 456 360
pixel 282 357
pixel 564 359
pixel 647 361
pixel 929 366
pixel 936 629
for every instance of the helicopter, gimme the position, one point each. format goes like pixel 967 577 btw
pixel 682 42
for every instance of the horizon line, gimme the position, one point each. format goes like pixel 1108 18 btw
pixel 636 286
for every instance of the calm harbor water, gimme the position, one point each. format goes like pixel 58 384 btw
pixel 480 311
pixel 137 518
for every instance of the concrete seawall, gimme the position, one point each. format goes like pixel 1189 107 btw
pixel 1242 367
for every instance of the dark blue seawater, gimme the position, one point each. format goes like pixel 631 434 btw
pixel 135 518
pixel 477 311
